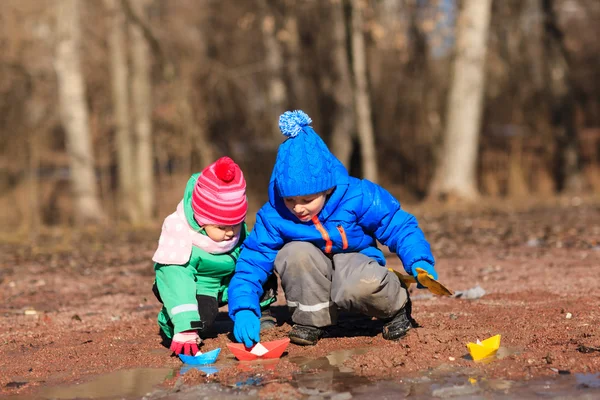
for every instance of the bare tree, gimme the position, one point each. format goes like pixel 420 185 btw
pixel 455 175
pixel 276 88
pixel 141 92
pixel 291 38
pixel 74 113
pixel 562 103
pixel 362 99
pixel 194 119
pixel 343 126
pixel 120 100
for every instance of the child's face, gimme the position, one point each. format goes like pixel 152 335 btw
pixel 306 207
pixel 222 233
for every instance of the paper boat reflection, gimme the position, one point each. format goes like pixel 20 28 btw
pixel 201 359
pixel 274 349
pixel 484 349
pixel 208 370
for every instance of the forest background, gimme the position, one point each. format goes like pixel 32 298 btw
pixel 107 107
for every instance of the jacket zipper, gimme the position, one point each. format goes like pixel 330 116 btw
pixel 344 238
pixel 324 234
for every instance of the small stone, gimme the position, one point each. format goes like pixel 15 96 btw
pixel 15 384
pixel 451 358
pixel 342 396
pixel 455 391
pixel 569 315
pixel 308 391
pixel 500 385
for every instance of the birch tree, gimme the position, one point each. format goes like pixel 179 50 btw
pixel 74 113
pixel 455 174
pixel 362 99
pixel 120 100
pixel 141 92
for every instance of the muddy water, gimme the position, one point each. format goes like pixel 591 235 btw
pixel 333 381
pixel 131 383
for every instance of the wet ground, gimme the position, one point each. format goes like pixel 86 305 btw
pixel 77 319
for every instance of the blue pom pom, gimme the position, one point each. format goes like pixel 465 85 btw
pixel 292 122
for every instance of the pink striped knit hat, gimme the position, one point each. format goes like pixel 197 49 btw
pixel 219 197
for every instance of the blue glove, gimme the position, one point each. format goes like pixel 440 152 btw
pixel 246 328
pixel 427 267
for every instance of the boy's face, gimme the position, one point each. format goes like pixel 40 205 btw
pixel 306 207
pixel 222 233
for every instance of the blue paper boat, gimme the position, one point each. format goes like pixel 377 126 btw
pixel 202 359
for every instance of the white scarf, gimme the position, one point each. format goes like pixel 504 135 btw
pixel 204 242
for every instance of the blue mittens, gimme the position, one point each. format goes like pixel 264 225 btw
pixel 246 328
pixel 425 266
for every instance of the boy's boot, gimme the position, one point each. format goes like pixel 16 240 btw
pixel 398 326
pixel 267 321
pixel 305 335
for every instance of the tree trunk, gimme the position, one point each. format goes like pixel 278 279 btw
pixel 277 90
pixel 194 120
pixel 343 125
pixel 456 174
pixel 74 113
pixel 298 86
pixel 33 185
pixel 362 100
pixel 567 169
pixel 141 91
pixel 120 99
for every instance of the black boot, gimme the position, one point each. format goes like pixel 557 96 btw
pixel 305 335
pixel 398 326
pixel 267 321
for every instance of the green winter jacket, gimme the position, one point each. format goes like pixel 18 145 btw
pixel 204 274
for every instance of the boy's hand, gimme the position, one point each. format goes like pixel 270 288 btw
pixel 185 342
pixel 425 266
pixel 246 328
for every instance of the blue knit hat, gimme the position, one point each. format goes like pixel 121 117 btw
pixel 304 164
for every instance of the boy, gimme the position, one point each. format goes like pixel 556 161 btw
pixel 318 231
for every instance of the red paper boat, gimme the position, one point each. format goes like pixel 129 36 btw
pixel 274 348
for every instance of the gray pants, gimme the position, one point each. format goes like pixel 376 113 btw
pixel 316 286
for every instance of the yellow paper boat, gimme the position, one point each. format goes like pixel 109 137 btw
pixel 426 280
pixel 487 348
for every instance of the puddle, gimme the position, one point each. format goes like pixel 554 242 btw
pixel 207 369
pixel 129 383
pixel 334 380
pixel 454 386
pixel 327 377
pixel 333 361
pixel 588 381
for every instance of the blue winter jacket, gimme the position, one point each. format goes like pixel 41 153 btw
pixel 357 213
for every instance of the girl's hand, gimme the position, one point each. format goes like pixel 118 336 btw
pixel 185 342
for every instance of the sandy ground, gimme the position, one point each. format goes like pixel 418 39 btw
pixel 78 304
